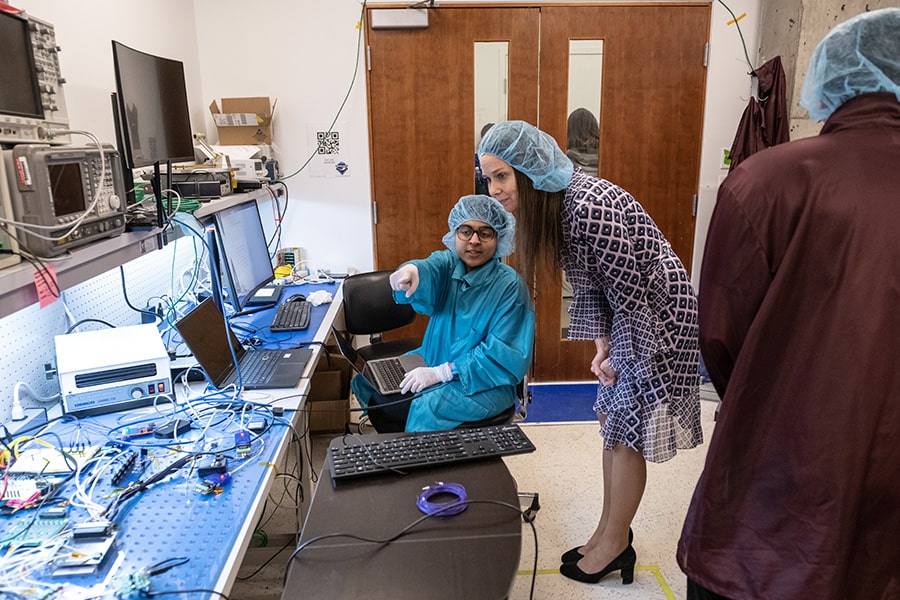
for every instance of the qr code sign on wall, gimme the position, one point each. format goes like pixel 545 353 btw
pixel 328 142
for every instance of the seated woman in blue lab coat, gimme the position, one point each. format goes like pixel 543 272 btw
pixel 480 334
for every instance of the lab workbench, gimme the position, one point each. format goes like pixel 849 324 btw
pixel 199 529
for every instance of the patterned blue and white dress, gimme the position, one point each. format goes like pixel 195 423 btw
pixel 629 285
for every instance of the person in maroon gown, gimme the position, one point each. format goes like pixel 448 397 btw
pixel 799 315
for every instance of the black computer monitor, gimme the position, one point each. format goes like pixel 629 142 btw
pixel 243 256
pixel 153 114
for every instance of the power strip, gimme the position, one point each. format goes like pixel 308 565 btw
pixel 34 418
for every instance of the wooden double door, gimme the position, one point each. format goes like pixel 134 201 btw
pixel 422 113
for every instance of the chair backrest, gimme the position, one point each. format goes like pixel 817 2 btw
pixel 369 306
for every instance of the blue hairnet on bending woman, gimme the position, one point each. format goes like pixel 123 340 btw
pixel 478 343
pixel 632 297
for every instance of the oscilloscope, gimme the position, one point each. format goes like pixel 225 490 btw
pixel 55 187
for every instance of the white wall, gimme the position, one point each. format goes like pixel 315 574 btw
pixel 84 31
pixel 728 90
pixel 303 53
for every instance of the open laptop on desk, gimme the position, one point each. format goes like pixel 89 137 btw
pixel 207 334
pixel 385 374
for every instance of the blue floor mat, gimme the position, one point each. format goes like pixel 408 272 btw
pixel 560 403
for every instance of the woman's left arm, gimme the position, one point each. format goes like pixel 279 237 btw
pixel 600 365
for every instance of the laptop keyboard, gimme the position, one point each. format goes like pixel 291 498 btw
pixel 257 366
pixel 392 371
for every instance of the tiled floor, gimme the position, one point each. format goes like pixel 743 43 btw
pixel 565 471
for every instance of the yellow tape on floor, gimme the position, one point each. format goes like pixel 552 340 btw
pixel 663 584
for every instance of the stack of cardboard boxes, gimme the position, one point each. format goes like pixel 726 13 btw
pixel 245 131
pixel 328 401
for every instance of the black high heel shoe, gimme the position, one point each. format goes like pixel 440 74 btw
pixel 624 562
pixel 574 554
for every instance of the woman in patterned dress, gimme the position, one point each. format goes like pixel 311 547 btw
pixel 632 296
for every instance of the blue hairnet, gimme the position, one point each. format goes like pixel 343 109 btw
pixel 529 150
pixel 858 56
pixel 485 209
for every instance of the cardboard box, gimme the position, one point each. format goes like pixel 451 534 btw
pixel 243 121
pixel 329 392
pixel 328 416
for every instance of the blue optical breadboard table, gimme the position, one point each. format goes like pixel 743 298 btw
pixel 323 314
pixel 172 519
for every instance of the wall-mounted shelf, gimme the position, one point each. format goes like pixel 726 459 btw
pixel 17 289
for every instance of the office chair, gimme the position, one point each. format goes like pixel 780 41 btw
pixel 507 416
pixel 514 412
pixel 503 418
pixel 369 309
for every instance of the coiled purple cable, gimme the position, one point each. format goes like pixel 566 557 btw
pixel 442 509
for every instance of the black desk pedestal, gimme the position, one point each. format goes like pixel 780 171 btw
pixel 472 555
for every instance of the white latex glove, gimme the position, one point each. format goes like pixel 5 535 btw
pixel 406 278
pixel 319 297
pixel 422 377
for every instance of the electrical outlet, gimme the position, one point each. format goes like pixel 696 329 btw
pixel 153 307
pixel 34 418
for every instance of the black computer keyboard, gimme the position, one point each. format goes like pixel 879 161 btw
pixel 291 316
pixel 352 456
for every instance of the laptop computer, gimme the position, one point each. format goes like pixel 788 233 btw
pixel 385 374
pixel 207 334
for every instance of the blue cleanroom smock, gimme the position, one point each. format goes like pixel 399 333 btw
pixel 483 323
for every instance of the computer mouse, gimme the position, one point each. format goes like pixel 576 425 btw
pixel 297 298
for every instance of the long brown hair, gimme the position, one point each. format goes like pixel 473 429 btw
pixel 538 231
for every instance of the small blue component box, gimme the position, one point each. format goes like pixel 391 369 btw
pixel 242 443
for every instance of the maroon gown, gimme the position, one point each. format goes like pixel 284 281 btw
pixel 765 121
pixel 799 317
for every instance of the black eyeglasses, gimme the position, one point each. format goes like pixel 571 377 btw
pixel 485 234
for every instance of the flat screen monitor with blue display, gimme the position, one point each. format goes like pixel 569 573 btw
pixel 244 259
